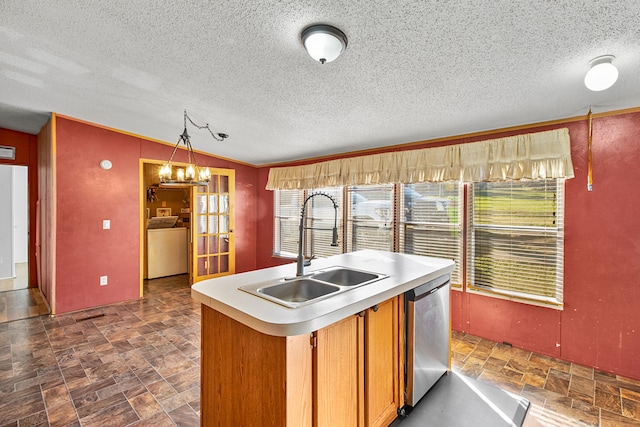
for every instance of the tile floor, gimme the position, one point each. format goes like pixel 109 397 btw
pixel 21 304
pixel 138 364
pixel 561 393
pixel 135 363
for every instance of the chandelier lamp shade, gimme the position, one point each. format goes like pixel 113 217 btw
pixel 602 73
pixel 191 174
pixel 324 43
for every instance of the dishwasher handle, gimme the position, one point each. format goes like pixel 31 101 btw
pixel 427 288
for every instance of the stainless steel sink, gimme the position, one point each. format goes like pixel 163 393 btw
pixel 345 276
pixel 298 291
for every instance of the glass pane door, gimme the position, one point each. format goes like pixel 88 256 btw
pixel 213 239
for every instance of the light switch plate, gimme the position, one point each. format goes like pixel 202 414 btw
pixel 106 224
pixel 103 280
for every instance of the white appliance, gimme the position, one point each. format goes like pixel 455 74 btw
pixel 167 252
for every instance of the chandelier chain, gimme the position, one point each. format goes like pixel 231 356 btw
pixel 218 137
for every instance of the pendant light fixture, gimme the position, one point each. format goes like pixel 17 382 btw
pixel 602 73
pixel 192 174
pixel 324 43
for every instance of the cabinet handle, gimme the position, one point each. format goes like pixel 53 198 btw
pixel 361 314
pixel 375 308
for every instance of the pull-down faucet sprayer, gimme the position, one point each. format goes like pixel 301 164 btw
pixel 303 219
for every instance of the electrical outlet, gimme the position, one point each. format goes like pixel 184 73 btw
pixel 103 280
pixel 106 224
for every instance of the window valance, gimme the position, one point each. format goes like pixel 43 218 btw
pixel 539 155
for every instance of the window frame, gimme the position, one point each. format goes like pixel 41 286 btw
pixel 466 239
pixel 432 224
pixel 524 230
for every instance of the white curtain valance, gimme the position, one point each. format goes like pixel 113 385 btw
pixel 538 155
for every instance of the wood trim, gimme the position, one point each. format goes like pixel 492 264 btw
pixel 143 228
pixel 52 216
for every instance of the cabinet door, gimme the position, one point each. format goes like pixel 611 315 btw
pixel 382 372
pixel 338 374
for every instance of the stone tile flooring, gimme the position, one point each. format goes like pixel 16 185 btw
pixel 561 393
pixel 134 363
pixel 138 364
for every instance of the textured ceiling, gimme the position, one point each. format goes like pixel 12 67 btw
pixel 413 70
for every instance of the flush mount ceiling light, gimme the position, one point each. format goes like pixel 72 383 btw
pixel 602 75
pixel 324 43
pixel 192 174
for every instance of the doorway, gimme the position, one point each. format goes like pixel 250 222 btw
pixel 207 214
pixel 14 228
pixel 17 300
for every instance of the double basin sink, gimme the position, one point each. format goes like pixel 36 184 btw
pixel 298 291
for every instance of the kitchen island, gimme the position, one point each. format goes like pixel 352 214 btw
pixel 337 361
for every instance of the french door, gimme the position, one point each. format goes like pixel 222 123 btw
pixel 212 229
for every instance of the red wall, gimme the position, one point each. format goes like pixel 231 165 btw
pixel 87 194
pixel 26 155
pixel 600 323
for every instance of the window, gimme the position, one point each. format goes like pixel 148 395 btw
pixel 319 224
pixel 320 220
pixel 286 209
pixel 514 231
pixel 516 239
pixel 431 222
pixel 370 217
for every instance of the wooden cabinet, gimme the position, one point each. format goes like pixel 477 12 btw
pixel 357 369
pixel 338 374
pixel 346 374
pixel 382 364
pixel 250 379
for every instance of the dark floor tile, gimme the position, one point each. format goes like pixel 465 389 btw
pixel 610 419
pixel 630 394
pixel 100 405
pixel 608 401
pixel 184 416
pixel 185 380
pixel 121 387
pixel 582 385
pixel 161 390
pixel 161 419
pixel 631 409
pixel 17 406
pixel 34 420
pixel 557 384
pixel 121 414
pixel 87 394
pixel 62 415
pixel 145 405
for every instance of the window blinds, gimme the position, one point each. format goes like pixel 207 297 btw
pixel 516 239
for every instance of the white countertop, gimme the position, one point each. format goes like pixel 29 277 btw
pixel 405 272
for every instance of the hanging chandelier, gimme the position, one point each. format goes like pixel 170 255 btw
pixel 192 174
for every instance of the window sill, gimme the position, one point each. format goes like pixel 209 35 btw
pixel 523 299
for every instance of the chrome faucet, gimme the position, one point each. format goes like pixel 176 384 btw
pixel 303 219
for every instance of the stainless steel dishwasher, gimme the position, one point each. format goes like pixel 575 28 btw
pixel 427 333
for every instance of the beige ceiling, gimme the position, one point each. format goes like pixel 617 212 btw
pixel 413 70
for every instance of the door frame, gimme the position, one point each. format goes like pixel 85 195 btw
pixel 192 241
